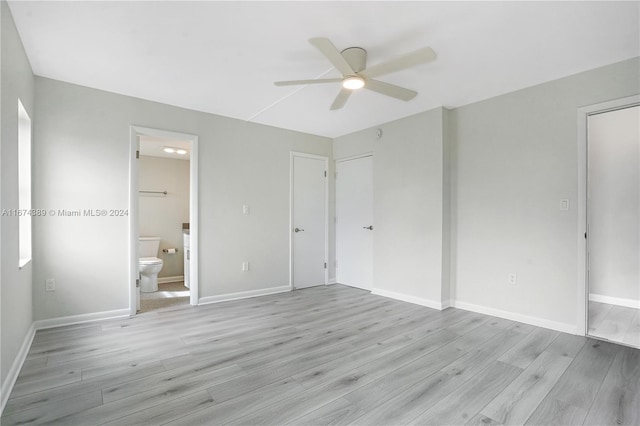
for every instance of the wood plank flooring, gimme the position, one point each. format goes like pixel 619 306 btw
pixel 323 355
pixel 614 323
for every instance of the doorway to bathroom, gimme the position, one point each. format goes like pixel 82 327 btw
pixel 163 220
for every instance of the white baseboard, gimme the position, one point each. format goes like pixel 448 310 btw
pixel 513 316
pixel 177 278
pixel 12 376
pixel 78 319
pixel 243 295
pixel 618 301
pixel 411 299
pixel 332 281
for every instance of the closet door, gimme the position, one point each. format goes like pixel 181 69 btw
pixel 354 222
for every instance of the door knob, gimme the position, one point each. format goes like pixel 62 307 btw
pixel 370 227
pixel 298 230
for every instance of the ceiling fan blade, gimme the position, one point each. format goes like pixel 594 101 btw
pixel 297 82
pixel 341 99
pixel 390 90
pixel 402 62
pixel 327 48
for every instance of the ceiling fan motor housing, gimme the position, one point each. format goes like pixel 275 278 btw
pixel 356 57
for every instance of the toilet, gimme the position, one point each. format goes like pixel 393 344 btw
pixel 148 263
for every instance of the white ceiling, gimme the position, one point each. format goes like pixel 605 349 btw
pixel 223 57
pixel 154 147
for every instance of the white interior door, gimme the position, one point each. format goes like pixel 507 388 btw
pixel 354 223
pixel 308 220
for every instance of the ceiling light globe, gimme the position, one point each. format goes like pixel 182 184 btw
pixel 169 150
pixel 181 151
pixel 353 83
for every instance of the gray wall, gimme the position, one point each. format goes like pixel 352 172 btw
pixel 514 157
pixel 15 285
pixel 500 169
pixel 82 161
pixel 614 204
pixel 163 215
pixel 409 171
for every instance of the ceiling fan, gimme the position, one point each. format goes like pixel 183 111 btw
pixel 351 62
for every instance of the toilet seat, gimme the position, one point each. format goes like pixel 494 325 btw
pixel 149 261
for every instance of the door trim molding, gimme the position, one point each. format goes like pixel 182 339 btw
pixel 134 132
pixel 292 155
pixel 582 283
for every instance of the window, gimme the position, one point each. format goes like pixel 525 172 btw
pixel 24 185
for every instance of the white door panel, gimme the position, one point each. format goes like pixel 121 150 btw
pixel 354 212
pixel 308 221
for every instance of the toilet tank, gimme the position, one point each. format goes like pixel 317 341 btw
pixel 148 246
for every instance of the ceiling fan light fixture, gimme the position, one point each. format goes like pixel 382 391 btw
pixel 352 65
pixel 353 82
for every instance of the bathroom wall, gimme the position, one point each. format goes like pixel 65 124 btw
pixel 163 215
pixel 16 313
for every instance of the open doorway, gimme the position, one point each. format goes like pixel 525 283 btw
pixel 163 219
pixel 163 222
pixel 612 255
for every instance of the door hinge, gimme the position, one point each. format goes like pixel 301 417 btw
pixel 325 265
pixel 137 154
pixel 585 235
pixel 325 173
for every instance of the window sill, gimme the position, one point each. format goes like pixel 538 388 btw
pixel 23 262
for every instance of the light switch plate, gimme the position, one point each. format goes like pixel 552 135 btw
pixel 564 204
pixel 50 285
pixel 245 209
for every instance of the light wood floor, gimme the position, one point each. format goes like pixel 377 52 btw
pixel 324 355
pixel 615 323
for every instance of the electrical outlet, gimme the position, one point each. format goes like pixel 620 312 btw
pixel 245 266
pixel 513 278
pixel 50 284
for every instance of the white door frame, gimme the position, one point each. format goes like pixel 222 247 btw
pixel 583 285
pixel 134 133
pixel 292 155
